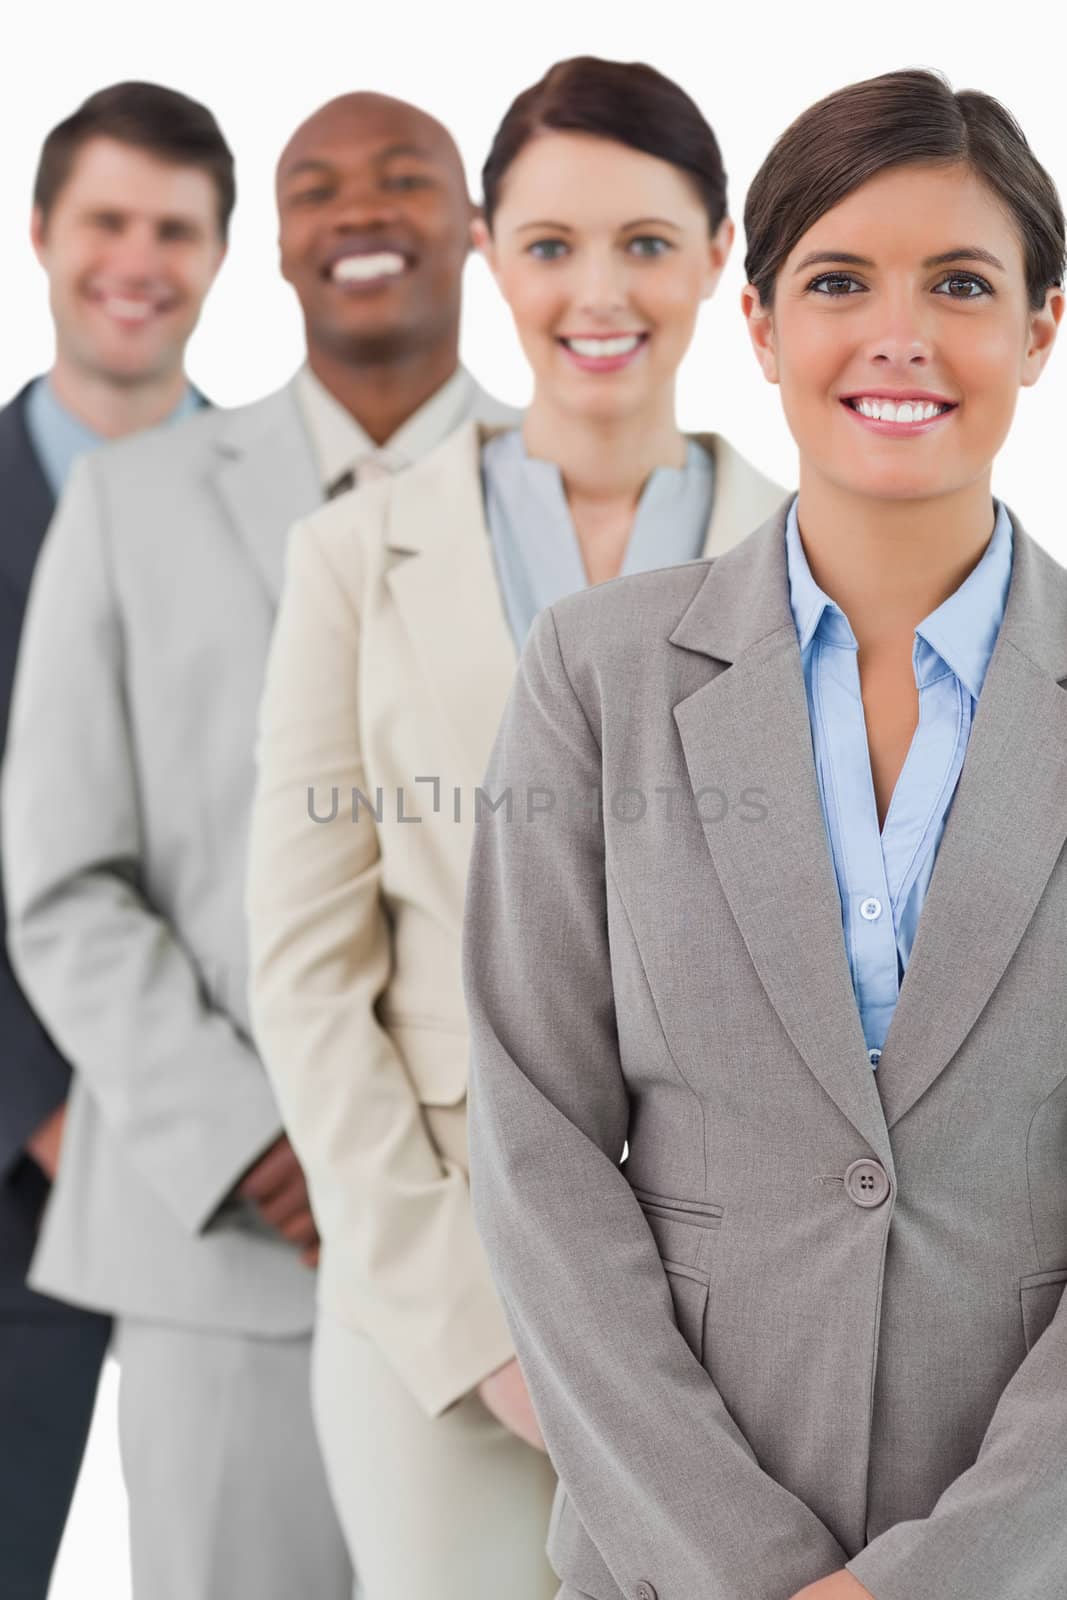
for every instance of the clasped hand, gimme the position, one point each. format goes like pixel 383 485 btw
pixel 838 1586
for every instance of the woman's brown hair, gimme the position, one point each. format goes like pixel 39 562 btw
pixel 626 101
pixel 899 119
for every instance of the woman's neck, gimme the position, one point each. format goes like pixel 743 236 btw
pixel 889 563
pixel 605 463
pixel 604 460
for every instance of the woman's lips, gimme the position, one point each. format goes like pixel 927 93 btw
pixel 603 352
pixel 902 417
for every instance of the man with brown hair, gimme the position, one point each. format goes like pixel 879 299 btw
pixel 132 200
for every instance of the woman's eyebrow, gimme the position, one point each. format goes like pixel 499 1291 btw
pixel 841 258
pixel 965 253
pixel 638 222
pixel 942 259
pixel 653 222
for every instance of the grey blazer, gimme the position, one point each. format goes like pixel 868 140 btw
pixel 813 1314
pixel 126 793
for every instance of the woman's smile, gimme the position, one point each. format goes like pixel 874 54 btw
pixel 899 415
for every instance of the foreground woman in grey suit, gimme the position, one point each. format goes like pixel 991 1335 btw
pixel 403 609
pixel 803 1337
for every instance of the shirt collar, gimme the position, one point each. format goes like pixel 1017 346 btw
pixel 963 629
pixel 59 436
pixel 961 632
pixel 810 604
pixel 340 443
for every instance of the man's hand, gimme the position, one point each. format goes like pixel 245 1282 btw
pixel 44 1144
pixel 505 1394
pixel 838 1586
pixel 277 1189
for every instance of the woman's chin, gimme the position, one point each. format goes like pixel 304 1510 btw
pixel 894 482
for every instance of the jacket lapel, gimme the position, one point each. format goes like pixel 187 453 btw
pixel 443 583
pixel 266 477
pixel 748 729
pixel 1003 837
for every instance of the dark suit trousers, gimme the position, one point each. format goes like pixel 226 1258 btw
pixel 50 1360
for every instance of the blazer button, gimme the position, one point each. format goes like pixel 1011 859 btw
pixel 644 1591
pixel 866 1183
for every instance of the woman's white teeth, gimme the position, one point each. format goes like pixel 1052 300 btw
pixel 902 411
pixel 359 269
pixel 620 346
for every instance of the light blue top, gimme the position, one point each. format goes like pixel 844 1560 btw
pixel 535 548
pixel 882 878
pixel 58 436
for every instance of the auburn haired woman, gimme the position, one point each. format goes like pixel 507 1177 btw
pixel 404 609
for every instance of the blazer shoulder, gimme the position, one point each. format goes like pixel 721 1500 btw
pixel 346 531
pixel 625 618
pixel 17 456
pixel 184 446
pixel 405 512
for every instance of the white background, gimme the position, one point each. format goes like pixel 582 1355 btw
pixel 263 68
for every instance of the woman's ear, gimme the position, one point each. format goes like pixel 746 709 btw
pixel 1044 325
pixel 719 247
pixel 482 240
pixel 761 331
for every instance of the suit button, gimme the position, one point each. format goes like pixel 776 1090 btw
pixel 644 1591
pixel 866 1183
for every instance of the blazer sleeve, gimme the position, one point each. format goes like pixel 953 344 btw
pixel 401 1259
pixel 659 1474
pixel 999 1529
pixel 179 1085
pixel 34 1077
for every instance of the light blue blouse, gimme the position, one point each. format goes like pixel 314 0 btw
pixel 882 877
pixel 535 548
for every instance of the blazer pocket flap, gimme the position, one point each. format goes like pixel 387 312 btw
pixel 682 1229
pixel 1040 1294
pixel 436 1059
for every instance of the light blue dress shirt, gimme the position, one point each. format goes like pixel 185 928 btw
pixel 882 877
pixel 535 547
pixel 58 436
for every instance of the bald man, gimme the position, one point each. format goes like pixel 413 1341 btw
pixel 179 1206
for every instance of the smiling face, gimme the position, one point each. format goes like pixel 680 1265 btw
pixel 131 246
pixel 603 254
pixel 374 222
pixel 901 332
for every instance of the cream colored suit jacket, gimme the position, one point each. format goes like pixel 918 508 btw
pixel 390 668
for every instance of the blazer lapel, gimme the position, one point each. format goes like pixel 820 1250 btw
pixel 1003 837
pixel 266 478
pixel 444 586
pixel 748 729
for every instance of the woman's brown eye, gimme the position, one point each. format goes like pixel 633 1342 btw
pixel 964 286
pixel 834 283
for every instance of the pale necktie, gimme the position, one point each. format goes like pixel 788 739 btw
pixel 368 469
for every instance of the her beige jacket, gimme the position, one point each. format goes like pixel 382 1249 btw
pixel 389 670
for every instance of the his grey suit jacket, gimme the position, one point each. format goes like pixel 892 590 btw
pixel 127 792
pixel 753 1360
